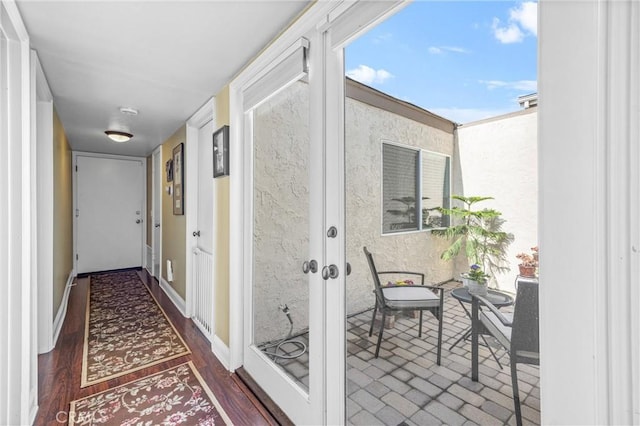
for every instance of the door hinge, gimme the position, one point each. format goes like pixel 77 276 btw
pixel 76 167
pixel 76 256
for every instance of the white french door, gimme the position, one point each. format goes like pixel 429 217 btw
pixel 290 114
pixel 283 346
pixel 156 212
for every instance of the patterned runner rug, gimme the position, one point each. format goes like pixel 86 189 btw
pixel 174 396
pixel 126 330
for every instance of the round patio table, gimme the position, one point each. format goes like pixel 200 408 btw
pixel 497 298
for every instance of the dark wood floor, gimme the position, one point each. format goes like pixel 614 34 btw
pixel 59 371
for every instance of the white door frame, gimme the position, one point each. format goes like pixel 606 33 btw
pixel 156 216
pixel 343 21
pixel 143 213
pixel 205 114
pixel 18 225
pixel 589 201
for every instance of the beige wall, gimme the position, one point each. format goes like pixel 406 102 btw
pixel 149 201
pixel 174 245
pixel 221 204
pixel 498 157
pixel 62 212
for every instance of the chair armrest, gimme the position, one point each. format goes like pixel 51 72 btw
pixel 479 300
pixel 420 274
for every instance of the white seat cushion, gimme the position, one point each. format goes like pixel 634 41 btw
pixel 501 332
pixel 410 297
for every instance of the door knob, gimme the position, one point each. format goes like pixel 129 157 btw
pixel 157 225
pixel 348 268
pixel 138 221
pixel 330 271
pixel 310 266
pixel 196 233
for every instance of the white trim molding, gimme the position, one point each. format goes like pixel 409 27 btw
pixel 174 297
pixel 589 207
pixel 221 351
pixel 62 310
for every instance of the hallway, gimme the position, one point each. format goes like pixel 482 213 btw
pixel 60 369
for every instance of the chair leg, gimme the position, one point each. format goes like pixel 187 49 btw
pixel 420 325
pixel 440 314
pixel 516 392
pixel 384 317
pixel 373 319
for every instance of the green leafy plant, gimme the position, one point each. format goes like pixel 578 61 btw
pixel 476 233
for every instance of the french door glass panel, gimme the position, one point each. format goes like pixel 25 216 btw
pixel 281 230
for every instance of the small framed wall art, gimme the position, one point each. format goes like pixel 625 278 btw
pixel 178 179
pixel 221 152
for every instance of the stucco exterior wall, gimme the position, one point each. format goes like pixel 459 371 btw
pixel 499 158
pixel 281 210
pixel 366 128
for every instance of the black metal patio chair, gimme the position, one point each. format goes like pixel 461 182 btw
pixel 396 298
pixel 518 333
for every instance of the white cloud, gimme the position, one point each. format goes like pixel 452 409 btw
pixel 508 34
pixel 523 85
pixel 382 38
pixel 527 16
pixel 523 20
pixel 368 75
pixel 436 50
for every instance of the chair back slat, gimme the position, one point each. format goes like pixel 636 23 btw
pixel 525 335
pixel 376 278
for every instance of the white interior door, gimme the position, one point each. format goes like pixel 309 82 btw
pixel 156 212
pixel 205 229
pixel 109 213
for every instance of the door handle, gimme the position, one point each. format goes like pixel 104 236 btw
pixel 348 268
pixel 330 271
pixel 157 225
pixel 138 221
pixel 196 233
pixel 310 266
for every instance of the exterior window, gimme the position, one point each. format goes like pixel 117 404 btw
pixel 414 184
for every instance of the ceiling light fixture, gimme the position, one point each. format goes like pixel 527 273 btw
pixel 118 136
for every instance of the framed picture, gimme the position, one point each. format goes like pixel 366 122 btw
pixel 169 169
pixel 178 179
pixel 221 152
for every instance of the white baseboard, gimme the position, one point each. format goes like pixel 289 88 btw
pixel 221 351
pixel 62 310
pixel 33 407
pixel 149 261
pixel 174 296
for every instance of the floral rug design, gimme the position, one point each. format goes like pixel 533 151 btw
pixel 126 330
pixel 174 396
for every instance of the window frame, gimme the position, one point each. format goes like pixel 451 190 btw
pixel 419 187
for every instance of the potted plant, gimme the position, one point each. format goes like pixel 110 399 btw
pixel 478 234
pixel 528 263
pixel 475 280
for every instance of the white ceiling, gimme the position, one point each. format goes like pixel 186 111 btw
pixel 163 58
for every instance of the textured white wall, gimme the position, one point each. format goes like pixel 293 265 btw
pixel 366 128
pixel 281 210
pixel 499 158
pixel 281 207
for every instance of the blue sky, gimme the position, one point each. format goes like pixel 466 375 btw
pixel 462 60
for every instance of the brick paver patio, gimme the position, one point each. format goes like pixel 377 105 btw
pixel 404 386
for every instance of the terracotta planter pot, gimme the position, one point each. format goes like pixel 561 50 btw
pixel 527 271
